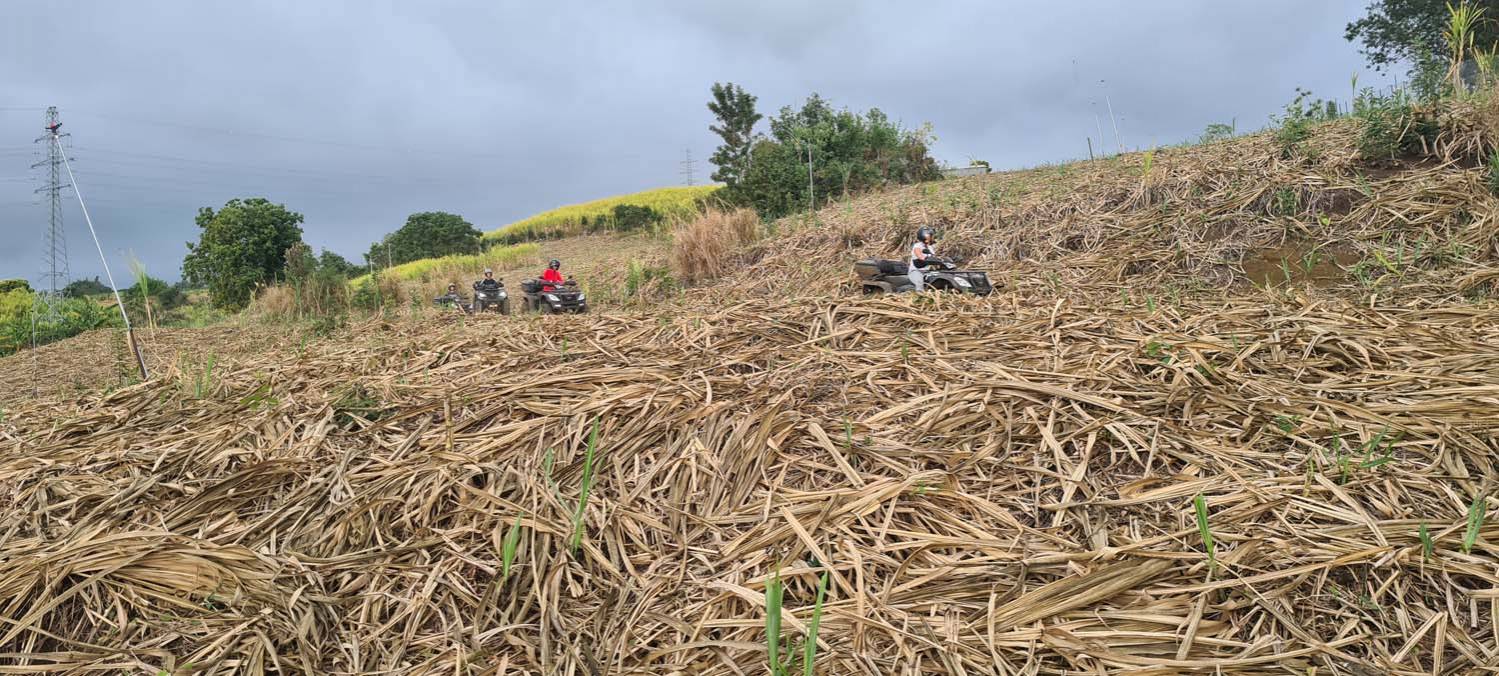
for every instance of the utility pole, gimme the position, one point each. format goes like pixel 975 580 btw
pixel 811 196
pixel 687 166
pixel 55 245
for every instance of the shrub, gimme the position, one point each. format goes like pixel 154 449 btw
pixel 74 316
pixel 630 217
pixel 641 278
pixel 9 285
pixel 1295 124
pixel 1391 125
pixel 704 249
pixel 1216 132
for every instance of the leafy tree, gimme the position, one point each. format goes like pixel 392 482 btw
pixel 430 234
pixel 735 109
pixel 81 288
pixel 851 153
pixel 241 247
pixel 1406 31
pixel 9 285
pixel 338 265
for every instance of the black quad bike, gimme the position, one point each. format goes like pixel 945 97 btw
pixel 877 275
pixel 452 301
pixel 496 299
pixel 565 298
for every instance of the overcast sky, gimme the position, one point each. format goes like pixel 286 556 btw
pixel 357 113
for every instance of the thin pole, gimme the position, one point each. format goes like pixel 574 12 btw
pixel 139 358
pixel 1090 148
pixel 1114 122
pixel 811 196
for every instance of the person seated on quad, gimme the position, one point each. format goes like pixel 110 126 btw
pixel 452 297
pixel 489 283
pixel 921 256
pixel 551 278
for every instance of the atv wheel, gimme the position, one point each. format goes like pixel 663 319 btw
pixel 505 306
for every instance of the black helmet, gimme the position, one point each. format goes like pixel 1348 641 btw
pixel 554 264
pixel 925 234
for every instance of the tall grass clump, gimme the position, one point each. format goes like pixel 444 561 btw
pixel 705 248
pixel 621 213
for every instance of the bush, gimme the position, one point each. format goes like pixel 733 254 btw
pixel 1216 132
pixel 630 217
pixel 74 316
pixel 9 285
pixel 641 278
pixel 1297 122
pixel 704 249
pixel 1391 125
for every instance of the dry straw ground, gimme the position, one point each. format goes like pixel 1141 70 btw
pixel 1001 485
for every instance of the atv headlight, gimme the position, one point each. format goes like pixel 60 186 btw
pixel 961 282
pixel 553 297
pixel 504 295
pixel 581 298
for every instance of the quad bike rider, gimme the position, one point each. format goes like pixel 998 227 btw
pixel 551 294
pixel 490 293
pixel 452 299
pixel 923 269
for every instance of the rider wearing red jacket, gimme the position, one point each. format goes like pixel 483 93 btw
pixel 551 279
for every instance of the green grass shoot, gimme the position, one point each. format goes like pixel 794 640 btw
pixel 1476 512
pixel 773 596
pixel 546 469
pixel 593 440
pixel 1204 529
pixel 507 550
pixel 809 649
pixel 1427 546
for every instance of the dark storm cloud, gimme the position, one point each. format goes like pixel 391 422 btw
pixel 358 113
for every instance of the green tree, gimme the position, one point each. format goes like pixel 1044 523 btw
pixel 430 234
pixel 735 109
pixel 851 153
pixel 338 265
pixel 1406 31
pixel 241 246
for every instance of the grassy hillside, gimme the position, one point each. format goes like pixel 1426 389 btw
pixel 672 204
pixel 1232 412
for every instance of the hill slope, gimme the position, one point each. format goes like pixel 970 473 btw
pixel 989 481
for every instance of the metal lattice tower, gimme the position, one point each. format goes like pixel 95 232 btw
pixel 687 166
pixel 55 273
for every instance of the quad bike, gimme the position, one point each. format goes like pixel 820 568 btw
pixel 452 300
pixel 564 298
pixel 496 298
pixel 887 276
